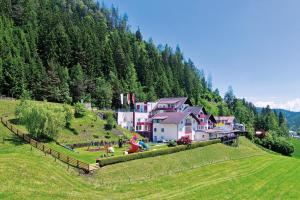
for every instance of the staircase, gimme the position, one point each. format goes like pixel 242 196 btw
pixel 94 167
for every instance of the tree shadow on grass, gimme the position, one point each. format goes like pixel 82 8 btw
pixel 15 140
pixel 14 121
pixel 73 130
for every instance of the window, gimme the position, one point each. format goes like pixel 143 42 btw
pixel 137 127
pixel 162 130
pixel 202 136
pixel 139 119
pixel 154 129
pixel 138 107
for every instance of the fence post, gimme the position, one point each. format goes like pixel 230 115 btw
pixel 44 149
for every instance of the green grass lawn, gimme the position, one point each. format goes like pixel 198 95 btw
pixel 296 143
pixel 212 172
pixel 86 129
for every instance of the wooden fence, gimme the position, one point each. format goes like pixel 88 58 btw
pixel 47 150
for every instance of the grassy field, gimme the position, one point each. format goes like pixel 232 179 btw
pixel 213 172
pixel 296 143
pixel 86 129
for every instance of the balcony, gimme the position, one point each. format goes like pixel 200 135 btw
pixel 203 123
pixel 166 108
pixel 202 116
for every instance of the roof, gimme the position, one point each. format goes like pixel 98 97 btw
pixel 230 119
pixel 173 117
pixel 212 118
pixel 195 109
pixel 176 100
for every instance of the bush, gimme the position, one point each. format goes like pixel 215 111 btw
pixel 68 115
pixel 172 143
pixel 277 144
pixel 80 110
pixel 146 154
pixel 107 135
pixel 110 122
pixel 40 120
pixel 184 140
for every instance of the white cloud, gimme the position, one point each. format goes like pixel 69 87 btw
pixel 292 105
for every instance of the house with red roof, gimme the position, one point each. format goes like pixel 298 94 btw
pixel 228 121
pixel 176 104
pixel 174 125
pixel 172 118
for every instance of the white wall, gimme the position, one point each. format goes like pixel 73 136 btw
pixel 170 132
pixel 201 136
pixel 125 120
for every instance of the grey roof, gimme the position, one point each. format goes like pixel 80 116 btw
pixel 195 109
pixel 178 101
pixel 173 117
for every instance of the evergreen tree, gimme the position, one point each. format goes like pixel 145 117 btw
pixel 77 84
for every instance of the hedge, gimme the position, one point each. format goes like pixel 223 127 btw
pixel 147 154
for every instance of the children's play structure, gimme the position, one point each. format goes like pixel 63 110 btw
pixel 136 145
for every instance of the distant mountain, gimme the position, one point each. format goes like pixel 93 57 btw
pixel 293 118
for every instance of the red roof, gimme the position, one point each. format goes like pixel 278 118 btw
pixel 230 119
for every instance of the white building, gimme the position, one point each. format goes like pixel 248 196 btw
pixel 174 125
pixel 137 121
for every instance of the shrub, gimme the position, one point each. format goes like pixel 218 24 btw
pixel 172 143
pixel 146 154
pixel 110 122
pixel 68 115
pixel 277 144
pixel 40 120
pixel 184 140
pixel 107 135
pixel 80 110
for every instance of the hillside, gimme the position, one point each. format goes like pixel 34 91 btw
pixel 65 51
pixel 191 174
pixel 293 118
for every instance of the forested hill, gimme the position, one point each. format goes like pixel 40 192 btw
pixel 293 118
pixel 65 50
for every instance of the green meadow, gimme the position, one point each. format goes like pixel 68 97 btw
pixel 213 172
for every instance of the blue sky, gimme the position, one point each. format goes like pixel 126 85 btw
pixel 252 45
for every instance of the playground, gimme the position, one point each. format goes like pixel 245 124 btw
pixel 135 145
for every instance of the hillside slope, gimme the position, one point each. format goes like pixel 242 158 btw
pixel 212 172
pixel 293 118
